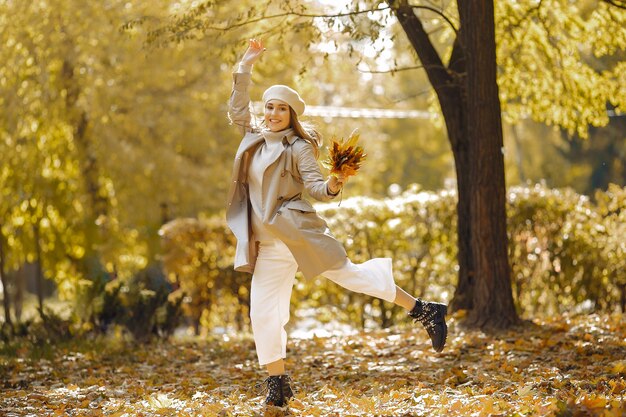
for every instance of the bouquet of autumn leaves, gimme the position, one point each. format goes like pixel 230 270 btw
pixel 345 157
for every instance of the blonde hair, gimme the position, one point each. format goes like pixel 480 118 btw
pixel 306 131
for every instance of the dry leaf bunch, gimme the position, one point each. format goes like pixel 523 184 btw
pixel 345 157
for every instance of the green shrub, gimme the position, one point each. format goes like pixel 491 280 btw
pixel 144 304
pixel 565 250
pixel 566 253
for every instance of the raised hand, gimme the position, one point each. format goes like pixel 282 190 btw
pixel 253 53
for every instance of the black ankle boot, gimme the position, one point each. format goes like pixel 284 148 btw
pixel 279 390
pixel 433 318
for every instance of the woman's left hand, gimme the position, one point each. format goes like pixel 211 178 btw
pixel 253 53
pixel 336 183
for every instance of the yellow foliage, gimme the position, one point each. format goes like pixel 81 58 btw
pixel 547 67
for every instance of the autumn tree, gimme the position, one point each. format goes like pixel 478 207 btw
pixel 468 95
pixel 492 301
pixel 101 143
pixel 542 73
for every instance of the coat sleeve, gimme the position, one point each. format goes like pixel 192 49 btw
pixel 311 174
pixel 239 103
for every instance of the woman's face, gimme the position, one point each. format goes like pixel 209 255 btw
pixel 277 115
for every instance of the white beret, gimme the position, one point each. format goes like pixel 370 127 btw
pixel 286 94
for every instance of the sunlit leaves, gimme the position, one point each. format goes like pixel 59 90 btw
pixel 570 365
pixel 100 135
pixel 557 60
pixel 549 59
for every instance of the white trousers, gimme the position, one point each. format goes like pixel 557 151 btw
pixel 272 282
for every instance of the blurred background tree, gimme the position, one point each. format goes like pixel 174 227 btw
pixel 98 140
pixel 105 137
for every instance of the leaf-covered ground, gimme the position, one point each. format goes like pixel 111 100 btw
pixel 566 367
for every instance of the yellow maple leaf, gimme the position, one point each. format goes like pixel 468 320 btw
pixel 619 367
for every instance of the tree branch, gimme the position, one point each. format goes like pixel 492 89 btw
pixel 401 69
pixel 411 96
pixel 431 61
pixel 617 3
pixel 457 58
pixel 441 14
pixel 392 70
pixel 293 13
pixel 192 22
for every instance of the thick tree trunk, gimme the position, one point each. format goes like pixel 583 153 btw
pixel 6 295
pixel 449 85
pixel 493 305
pixel 469 101
pixel 464 292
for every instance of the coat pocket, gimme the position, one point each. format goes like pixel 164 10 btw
pixel 300 205
pixel 297 218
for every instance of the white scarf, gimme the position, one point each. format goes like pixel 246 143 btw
pixel 267 151
pixel 273 137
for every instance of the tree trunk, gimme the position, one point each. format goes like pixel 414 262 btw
pixel 518 154
pixel 96 223
pixel 493 305
pixel 385 322
pixel 6 296
pixel 18 299
pixel 475 135
pixel 89 164
pixel 464 292
pixel 449 86
pixel 39 268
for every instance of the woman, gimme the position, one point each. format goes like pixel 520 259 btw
pixel 278 232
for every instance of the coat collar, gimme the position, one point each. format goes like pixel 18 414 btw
pixel 249 140
pixel 252 139
pixel 290 139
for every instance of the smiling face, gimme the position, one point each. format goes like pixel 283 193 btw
pixel 277 115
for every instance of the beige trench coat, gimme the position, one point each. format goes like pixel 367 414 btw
pixel 293 169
